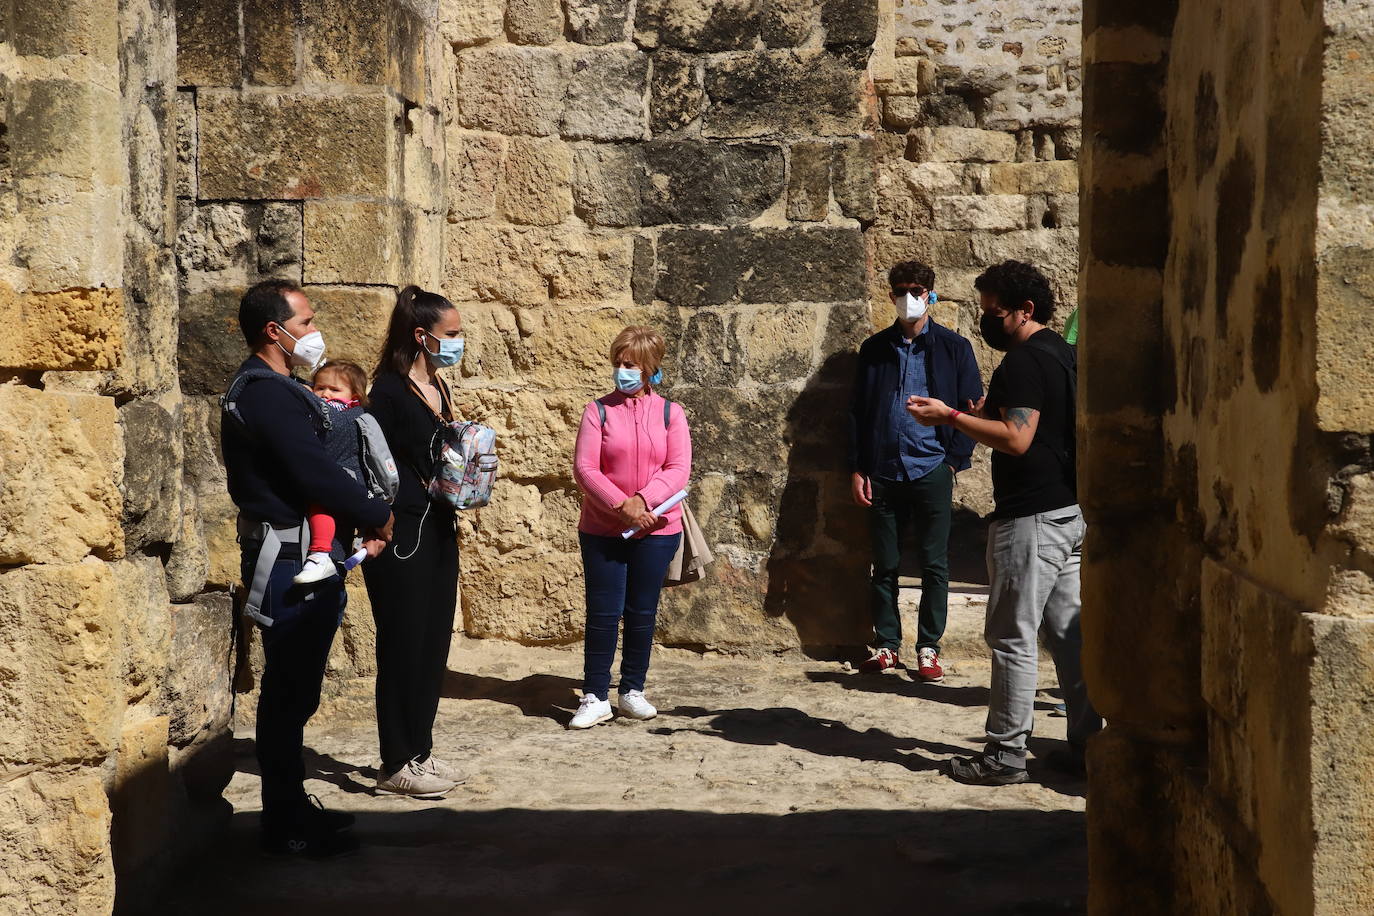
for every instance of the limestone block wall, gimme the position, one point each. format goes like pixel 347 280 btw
pixel 1226 391
pixel 705 167
pixel 977 162
pixel 309 147
pixel 113 701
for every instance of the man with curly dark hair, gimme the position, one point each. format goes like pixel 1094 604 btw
pixel 903 472
pixel 1035 540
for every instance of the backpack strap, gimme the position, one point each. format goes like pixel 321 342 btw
pixel 228 401
pixel 667 413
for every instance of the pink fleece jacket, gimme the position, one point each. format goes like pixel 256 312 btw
pixel 634 454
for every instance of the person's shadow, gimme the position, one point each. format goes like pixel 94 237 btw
pixel 818 565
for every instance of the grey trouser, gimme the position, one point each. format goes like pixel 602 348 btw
pixel 1033 565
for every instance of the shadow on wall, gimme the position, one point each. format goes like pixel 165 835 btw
pixel 819 561
pixel 521 861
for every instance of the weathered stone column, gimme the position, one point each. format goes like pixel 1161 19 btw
pixel 1227 596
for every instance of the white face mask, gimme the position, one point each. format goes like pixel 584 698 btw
pixel 309 352
pixel 912 308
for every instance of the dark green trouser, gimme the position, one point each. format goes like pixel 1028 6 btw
pixel 925 506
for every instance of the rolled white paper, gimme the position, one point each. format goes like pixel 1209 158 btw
pixel 663 507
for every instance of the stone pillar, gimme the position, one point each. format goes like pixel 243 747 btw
pixel 1227 597
pixel 706 169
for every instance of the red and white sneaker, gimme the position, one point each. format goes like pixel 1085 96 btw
pixel 880 660
pixel 928 666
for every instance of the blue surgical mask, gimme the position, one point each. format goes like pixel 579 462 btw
pixel 628 381
pixel 450 351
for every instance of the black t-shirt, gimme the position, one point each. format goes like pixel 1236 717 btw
pixel 1042 479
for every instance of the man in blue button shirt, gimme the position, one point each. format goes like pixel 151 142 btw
pixel 903 472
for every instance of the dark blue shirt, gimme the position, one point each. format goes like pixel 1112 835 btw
pixel 909 451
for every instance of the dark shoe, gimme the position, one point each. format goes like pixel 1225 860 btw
pixel 880 660
pixel 980 771
pixel 928 666
pixel 308 841
pixel 317 813
pixel 1071 762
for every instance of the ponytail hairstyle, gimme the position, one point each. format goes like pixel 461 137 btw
pixel 415 308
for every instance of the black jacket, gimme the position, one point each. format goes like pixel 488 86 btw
pixel 952 374
pixel 277 465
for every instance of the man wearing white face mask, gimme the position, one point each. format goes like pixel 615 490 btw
pixel 276 464
pixel 902 472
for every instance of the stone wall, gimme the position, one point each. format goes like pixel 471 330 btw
pixel 977 163
pixel 705 168
pixel 113 689
pixel 1226 390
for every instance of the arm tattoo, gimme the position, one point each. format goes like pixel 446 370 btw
pixel 1021 416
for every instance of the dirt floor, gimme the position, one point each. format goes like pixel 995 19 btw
pixel 787 786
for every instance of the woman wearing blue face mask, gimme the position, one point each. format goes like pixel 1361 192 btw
pixel 633 452
pixel 413 584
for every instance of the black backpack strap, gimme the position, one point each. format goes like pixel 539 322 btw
pixel 601 412
pixel 228 401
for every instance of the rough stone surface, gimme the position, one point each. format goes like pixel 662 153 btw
pixel 606 183
pixel 677 94
pixel 249 145
pixel 55 855
pixel 793 92
pixel 535 187
pixel 693 183
pixel 58 466
pixel 65 329
pixel 606 95
pixel 511 90
pixel 350 242
pixel 598 22
pixel 534 22
pixel 152 474
pixel 62 694
pixel 474 170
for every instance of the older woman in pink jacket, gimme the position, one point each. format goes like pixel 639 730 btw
pixel 633 453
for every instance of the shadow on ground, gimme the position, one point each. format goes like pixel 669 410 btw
pixel 515 861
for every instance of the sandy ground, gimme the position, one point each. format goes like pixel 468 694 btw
pixel 778 786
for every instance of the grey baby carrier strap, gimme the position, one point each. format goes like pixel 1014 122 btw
pixel 272 538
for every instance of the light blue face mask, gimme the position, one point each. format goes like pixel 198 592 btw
pixel 450 352
pixel 628 381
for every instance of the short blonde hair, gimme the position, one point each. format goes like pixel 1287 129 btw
pixel 642 344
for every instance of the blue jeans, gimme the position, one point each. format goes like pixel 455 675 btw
pixel 295 650
pixel 623 579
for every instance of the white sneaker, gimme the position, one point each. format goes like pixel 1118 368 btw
pixel 444 770
pixel 415 780
pixel 632 704
pixel 317 568
pixel 592 711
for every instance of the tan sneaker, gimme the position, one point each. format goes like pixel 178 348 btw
pixel 415 780
pixel 444 770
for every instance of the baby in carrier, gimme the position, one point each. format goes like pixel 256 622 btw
pixel 343 388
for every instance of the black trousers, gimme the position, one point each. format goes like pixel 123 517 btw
pixel 414 598
pixel 295 650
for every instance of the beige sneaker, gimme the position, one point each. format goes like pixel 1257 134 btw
pixel 444 770
pixel 415 780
